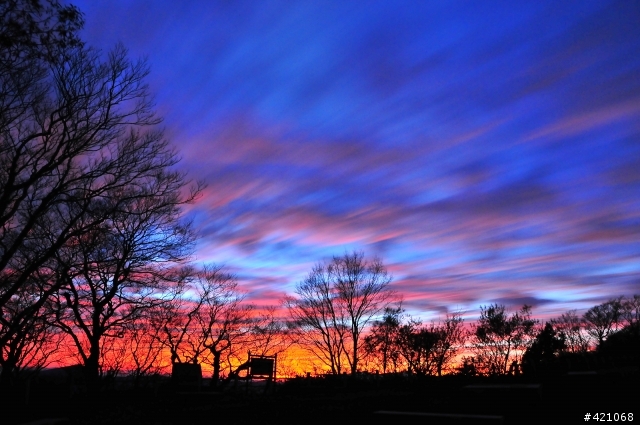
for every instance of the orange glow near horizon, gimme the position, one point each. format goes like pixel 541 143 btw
pixel 291 362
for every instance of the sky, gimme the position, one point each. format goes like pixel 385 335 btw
pixel 486 152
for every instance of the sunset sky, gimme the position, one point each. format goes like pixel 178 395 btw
pixel 485 151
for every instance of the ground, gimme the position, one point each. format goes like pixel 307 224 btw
pixel 337 400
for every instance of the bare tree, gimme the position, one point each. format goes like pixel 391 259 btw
pixel 335 303
pixel 631 310
pixel 603 319
pixel 33 37
pixel 572 329
pixel 119 267
pixel 112 276
pixel 319 325
pixel 67 157
pixel 71 135
pixel 269 333
pixel 28 339
pixel 451 341
pixel 224 321
pixel 208 321
pixel 77 151
pixel 174 321
pixel 501 338
pixel 144 348
pixel 113 357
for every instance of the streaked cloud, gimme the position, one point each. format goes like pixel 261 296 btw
pixel 486 152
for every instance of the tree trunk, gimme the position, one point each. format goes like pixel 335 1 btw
pixel 215 376
pixel 92 366
pixel 6 376
pixel 384 360
pixel 354 363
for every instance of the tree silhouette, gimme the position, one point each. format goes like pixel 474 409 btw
pixel 68 153
pixel 28 339
pixel 34 30
pixel 452 338
pixel 417 346
pixel 86 181
pixel 335 303
pixel 501 338
pixel 382 341
pixel 427 350
pixel 144 354
pixel 572 329
pixel 118 269
pixel 34 37
pixel 544 350
pixel 603 319
pixel 623 346
pixel 631 309
pixel 268 334
pixel 207 321
pixel 320 326
pixel 223 321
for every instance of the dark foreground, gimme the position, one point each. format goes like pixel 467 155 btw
pixel 518 400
